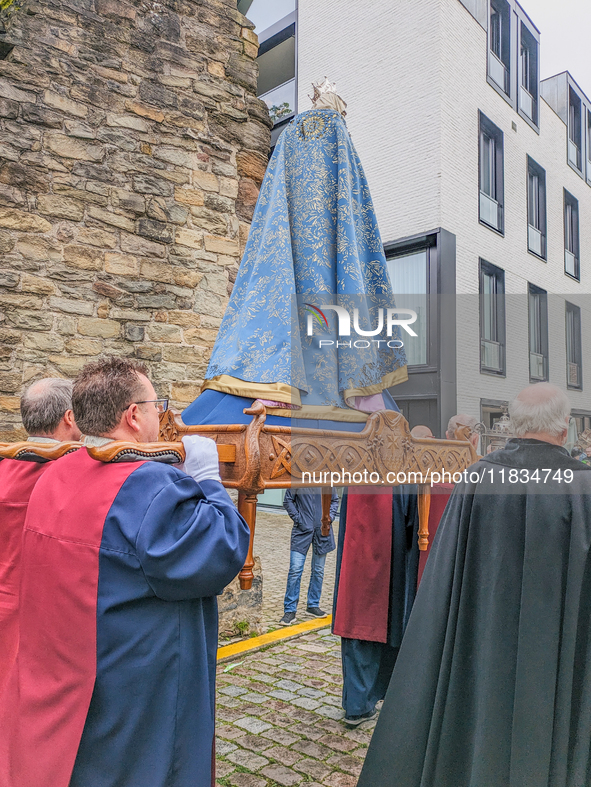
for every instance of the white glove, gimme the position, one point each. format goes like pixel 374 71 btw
pixel 201 458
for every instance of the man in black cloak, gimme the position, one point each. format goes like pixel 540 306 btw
pixel 492 686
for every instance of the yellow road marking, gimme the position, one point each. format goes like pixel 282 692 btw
pixel 246 645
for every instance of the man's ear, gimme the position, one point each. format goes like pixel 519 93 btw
pixel 69 418
pixel 131 417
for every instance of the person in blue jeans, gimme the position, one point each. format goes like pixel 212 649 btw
pixel 304 506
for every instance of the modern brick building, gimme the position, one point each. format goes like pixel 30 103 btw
pixel 481 177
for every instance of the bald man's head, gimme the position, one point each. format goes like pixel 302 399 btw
pixel 46 409
pixel 421 431
pixel 540 410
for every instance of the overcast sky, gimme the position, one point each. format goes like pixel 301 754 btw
pixel 565 27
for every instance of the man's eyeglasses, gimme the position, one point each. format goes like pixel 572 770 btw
pixel 160 404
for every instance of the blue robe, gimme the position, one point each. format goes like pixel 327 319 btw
pixel 114 684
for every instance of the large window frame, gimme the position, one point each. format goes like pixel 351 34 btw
pixel 529 75
pixel 499 46
pixel 491 175
pixel 536 209
pixel 574 135
pixel 572 263
pixel 537 311
pixel 492 319
pixel 574 355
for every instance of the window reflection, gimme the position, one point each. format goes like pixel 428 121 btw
pixel 264 13
pixel 408 275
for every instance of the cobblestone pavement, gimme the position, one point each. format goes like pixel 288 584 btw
pixel 271 544
pixel 278 715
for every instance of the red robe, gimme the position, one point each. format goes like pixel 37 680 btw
pixel 17 480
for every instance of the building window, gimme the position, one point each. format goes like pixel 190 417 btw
pixel 574 129
pixel 499 42
pixel 574 371
pixel 408 274
pixel 536 208
pixel 491 174
pixel 571 236
pixel 529 75
pixel 538 333
pixel 492 319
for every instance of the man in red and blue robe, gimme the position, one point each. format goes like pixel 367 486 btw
pixel 114 683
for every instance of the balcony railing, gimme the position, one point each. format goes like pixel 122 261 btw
pixel 490 355
pixel 537 366
pixel 574 154
pixel 526 102
pixel 535 241
pixel 498 72
pixel 490 211
pixel 573 372
pixel 570 263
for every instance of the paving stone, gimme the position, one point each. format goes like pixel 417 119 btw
pixel 332 726
pixel 268 679
pixel 307 703
pixel 232 691
pixel 345 762
pixel 228 714
pixel 291 667
pixel 358 735
pixel 224 747
pixel 311 749
pixel 330 699
pixel 253 696
pixel 247 759
pixel 283 755
pixel 313 768
pixel 258 686
pixel 223 768
pixel 253 742
pixel 282 775
pixel 340 780
pixel 280 705
pixel 228 702
pixel 313 693
pixel 278 719
pixel 331 711
pixel 228 731
pixel 253 725
pixel 247 780
pixel 288 685
pixel 312 647
pixel 252 709
pixel 281 694
pixel 337 742
pixel 303 715
pixel 283 737
pixel 306 731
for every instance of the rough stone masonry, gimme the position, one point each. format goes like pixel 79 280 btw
pixel 132 146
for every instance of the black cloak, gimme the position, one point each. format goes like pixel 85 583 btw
pixel 492 687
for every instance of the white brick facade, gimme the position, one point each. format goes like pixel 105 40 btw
pixel 414 76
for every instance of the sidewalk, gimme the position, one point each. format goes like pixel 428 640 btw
pixel 271 544
pixel 278 714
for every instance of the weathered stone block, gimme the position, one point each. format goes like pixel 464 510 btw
pixel 10 381
pixel 9 91
pixel 25 222
pixel 84 346
pixel 191 238
pixel 8 279
pixel 156 230
pixel 156 271
pixel 116 9
pixel 221 245
pixel 25 178
pixel 105 329
pixel 115 219
pixel 121 264
pixel 65 104
pixel 70 148
pixel 127 200
pixel 132 244
pixel 63 207
pixel 70 306
pixel 36 284
pixel 134 333
pixel 30 321
pixel 96 237
pixel 205 180
pixel 189 196
pixel 48 342
pixel 144 111
pixel 164 333
pixel 8 109
pixel 186 278
pixel 83 257
pixel 147 184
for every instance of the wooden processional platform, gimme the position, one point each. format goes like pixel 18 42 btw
pixel 256 456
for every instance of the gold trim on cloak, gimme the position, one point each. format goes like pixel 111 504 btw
pixel 280 392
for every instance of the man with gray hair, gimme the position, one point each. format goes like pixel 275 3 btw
pixel 46 410
pixel 456 422
pixel 492 683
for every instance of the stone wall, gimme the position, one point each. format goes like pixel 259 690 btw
pixel 132 147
